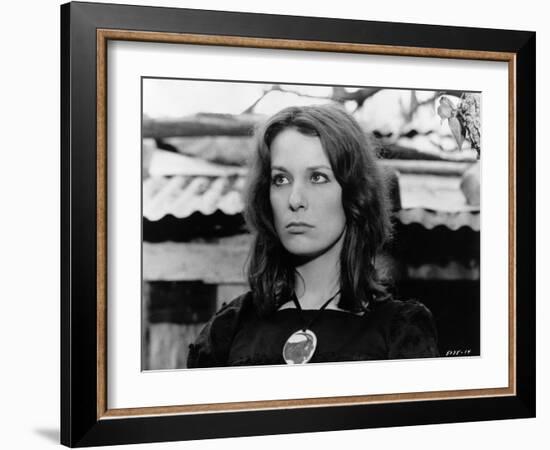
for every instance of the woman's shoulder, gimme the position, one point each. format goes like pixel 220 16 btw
pixel 409 327
pixel 213 342
pixel 229 313
pixel 235 306
pixel 401 308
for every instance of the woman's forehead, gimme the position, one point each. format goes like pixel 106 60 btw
pixel 291 149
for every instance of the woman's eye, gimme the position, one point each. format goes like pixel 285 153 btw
pixel 279 180
pixel 319 177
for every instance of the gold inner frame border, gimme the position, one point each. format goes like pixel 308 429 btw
pixel 104 35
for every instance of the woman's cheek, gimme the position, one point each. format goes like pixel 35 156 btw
pixel 277 205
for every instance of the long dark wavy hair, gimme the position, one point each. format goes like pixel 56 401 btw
pixel 365 200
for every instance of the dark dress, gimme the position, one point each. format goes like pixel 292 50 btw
pixel 391 329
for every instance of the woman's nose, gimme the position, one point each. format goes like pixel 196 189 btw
pixel 297 198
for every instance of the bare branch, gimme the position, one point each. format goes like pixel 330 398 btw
pixel 339 95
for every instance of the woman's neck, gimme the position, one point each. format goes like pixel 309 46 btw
pixel 319 278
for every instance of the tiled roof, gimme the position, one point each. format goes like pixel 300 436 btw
pixel 430 219
pixel 181 196
pixel 197 186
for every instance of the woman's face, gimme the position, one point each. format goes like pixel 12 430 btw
pixel 305 197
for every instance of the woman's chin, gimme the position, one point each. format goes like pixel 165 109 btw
pixel 307 247
pixel 304 252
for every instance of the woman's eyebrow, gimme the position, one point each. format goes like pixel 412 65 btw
pixel 322 166
pixel 284 169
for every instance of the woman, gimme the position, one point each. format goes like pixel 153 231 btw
pixel 319 210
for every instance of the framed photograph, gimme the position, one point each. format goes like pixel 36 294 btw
pixel 278 224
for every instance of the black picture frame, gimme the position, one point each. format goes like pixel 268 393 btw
pixel 84 421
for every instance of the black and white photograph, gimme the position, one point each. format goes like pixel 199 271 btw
pixel 288 224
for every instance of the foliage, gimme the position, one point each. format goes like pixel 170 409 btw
pixel 463 119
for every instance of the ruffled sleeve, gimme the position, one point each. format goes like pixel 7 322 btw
pixel 412 332
pixel 211 348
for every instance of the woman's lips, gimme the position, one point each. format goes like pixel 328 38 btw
pixel 298 227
